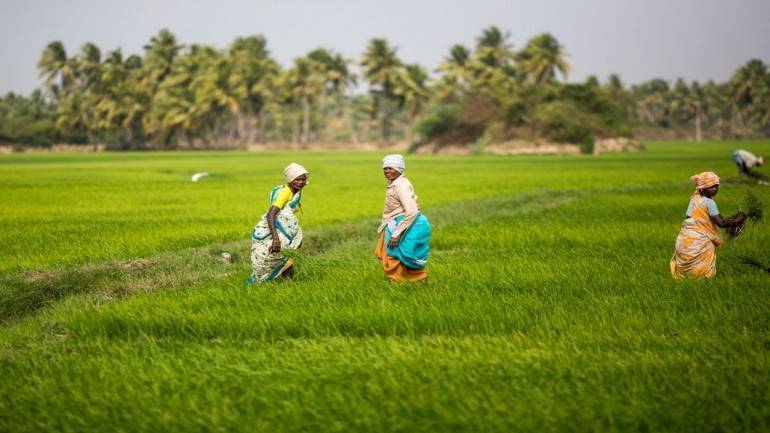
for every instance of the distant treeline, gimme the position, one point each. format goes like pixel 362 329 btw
pixel 194 96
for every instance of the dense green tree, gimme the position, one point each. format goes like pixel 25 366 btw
pixel 492 48
pixel 455 70
pixel 750 86
pixel 56 69
pixel 27 121
pixel 542 58
pixel 171 95
pixel 337 78
pixel 305 84
pixel 412 88
pixel 382 67
pixel 252 81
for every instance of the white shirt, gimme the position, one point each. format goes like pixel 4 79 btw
pixel 400 199
pixel 749 159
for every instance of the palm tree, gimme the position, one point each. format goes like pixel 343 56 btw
pixel 750 86
pixel 653 105
pixel 620 96
pixel 413 89
pixel 542 58
pixel 697 101
pixel 381 69
pixel 88 70
pixel 159 57
pixel 118 107
pixel 492 68
pixel 89 62
pixel 336 77
pixel 717 109
pixel 748 81
pixel 109 108
pixel 304 83
pixel 492 48
pixel 681 103
pixel 54 65
pixel 381 65
pixel 614 83
pixel 251 81
pixel 135 100
pixel 456 67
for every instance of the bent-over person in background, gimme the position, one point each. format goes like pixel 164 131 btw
pixel 746 160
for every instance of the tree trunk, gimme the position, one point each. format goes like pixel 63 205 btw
pixel 383 127
pixel 130 136
pixel 305 120
pixel 353 127
pixel 295 128
pixel 261 126
pixel 324 136
pixel 240 129
pixel 698 137
pixel 408 131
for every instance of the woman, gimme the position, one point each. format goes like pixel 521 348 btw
pixel 746 160
pixel 404 234
pixel 278 228
pixel 695 254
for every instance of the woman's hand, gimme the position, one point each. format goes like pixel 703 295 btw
pixel 394 241
pixel 737 227
pixel 275 247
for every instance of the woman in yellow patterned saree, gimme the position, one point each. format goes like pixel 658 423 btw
pixel 695 254
pixel 278 229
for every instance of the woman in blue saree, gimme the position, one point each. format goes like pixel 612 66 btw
pixel 404 233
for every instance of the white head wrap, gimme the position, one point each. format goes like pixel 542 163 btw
pixel 394 161
pixel 294 171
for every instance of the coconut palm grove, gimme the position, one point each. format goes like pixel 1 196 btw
pixel 176 96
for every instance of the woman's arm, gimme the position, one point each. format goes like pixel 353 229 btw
pixel 411 210
pixel 733 221
pixel 275 247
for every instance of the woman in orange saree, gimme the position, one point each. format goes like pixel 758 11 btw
pixel 695 250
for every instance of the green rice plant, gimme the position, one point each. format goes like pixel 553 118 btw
pixel 754 207
pixel 754 263
pixel 550 306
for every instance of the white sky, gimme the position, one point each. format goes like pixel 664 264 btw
pixel 639 39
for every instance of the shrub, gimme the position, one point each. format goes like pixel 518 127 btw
pixel 437 121
pixel 460 122
pixel 563 122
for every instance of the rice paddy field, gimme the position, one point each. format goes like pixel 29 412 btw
pixel 549 308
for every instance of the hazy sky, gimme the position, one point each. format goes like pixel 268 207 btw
pixel 639 39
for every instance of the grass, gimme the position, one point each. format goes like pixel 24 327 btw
pixel 754 207
pixel 550 306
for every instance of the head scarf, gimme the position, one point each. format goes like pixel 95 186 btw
pixel 294 171
pixel 705 180
pixel 394 161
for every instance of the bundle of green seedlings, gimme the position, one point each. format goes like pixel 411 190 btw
pixel 754 207
pixel 754 212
